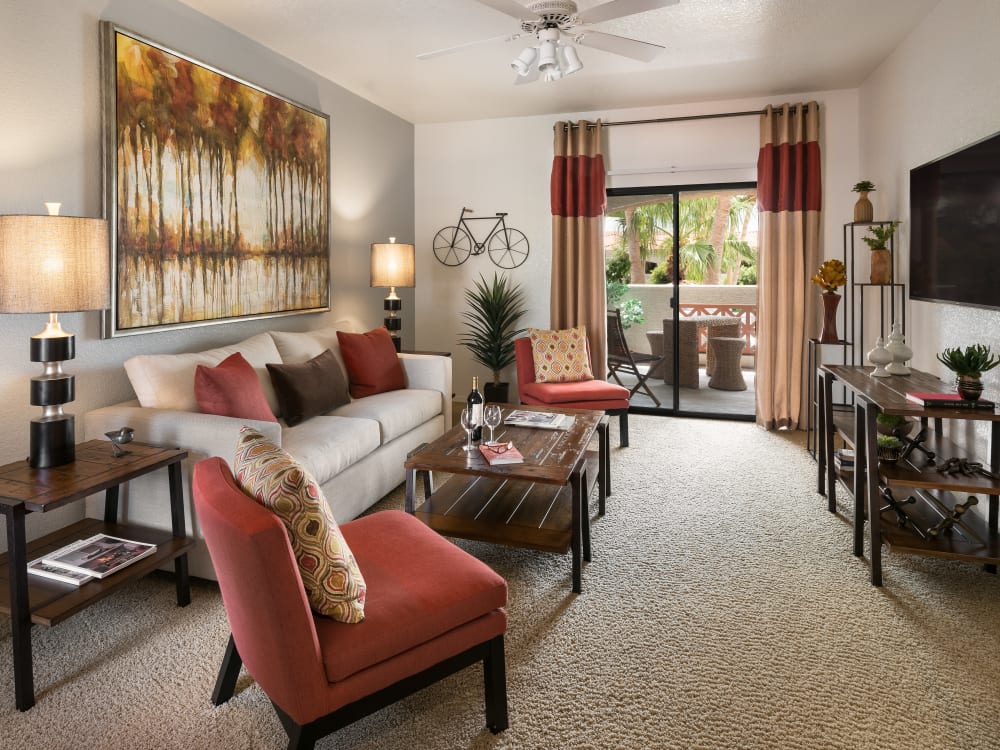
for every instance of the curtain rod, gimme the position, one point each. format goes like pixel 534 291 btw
pixel 681 118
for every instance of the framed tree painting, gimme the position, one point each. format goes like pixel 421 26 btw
pixel 217 193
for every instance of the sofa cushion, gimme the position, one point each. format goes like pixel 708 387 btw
pixel 397 412
pixel 333 583
pixel 308 389
pixel 299 347
pixel 166 381
pixel 560 356
pixel 231 389
pixel 372 362
pixel 440 588
pixel 327 445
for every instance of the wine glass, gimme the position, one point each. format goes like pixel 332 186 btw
pixel 468 425
pixel 492 416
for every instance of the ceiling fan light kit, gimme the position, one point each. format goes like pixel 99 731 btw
pixel 550 21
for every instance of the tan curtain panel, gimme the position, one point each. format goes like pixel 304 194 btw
pixel 790 195
pixel 578 201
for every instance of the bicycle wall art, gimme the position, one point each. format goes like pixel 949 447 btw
pixel 506 246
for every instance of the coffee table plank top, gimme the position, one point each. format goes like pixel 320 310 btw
pixel 549 455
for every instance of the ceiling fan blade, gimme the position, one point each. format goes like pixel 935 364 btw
pixel 512 8
pixel 619 45
pixel 619 8
pixel 460 47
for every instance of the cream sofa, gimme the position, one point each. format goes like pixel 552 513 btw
pixel 356 452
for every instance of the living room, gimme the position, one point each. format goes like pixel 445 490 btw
pixel 936 92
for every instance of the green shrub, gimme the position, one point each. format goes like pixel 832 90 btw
pixel 619 268
pixel 661 274
pixel 747 275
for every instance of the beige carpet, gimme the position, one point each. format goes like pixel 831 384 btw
pixel 723 609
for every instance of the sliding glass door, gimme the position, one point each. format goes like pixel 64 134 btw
pixel 681 267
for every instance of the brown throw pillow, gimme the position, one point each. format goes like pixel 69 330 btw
pixel 372 363
pixel 308 389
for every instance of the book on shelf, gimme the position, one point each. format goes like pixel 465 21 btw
pixel 99 555
pixel 947 401
pixel 541 419
pixel 843 458
pixel 40 568
pixel 497 454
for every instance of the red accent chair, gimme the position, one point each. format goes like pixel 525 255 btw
pixel 598 395
pixel 432 610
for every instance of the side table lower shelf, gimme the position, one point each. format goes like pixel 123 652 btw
pixel 51 602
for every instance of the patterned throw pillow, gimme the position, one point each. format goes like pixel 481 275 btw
pixel 561 356
pixel 330 574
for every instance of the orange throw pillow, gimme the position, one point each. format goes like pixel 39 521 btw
pixel 231 389
pixel 561 356
pixel 372 363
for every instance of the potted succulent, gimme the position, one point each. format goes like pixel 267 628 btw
pixel 890 448
pixel 881 259
pixel 968 365
pixel 495 308
pixel 863 209
pixel 829 276
pixel 893 424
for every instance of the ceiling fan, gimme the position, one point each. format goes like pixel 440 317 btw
pixel 557 25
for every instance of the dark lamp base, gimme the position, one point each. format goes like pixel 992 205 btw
pixel 396 342
pixel 53 442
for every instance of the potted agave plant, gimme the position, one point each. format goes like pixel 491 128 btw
pixel 968 365
pixel 877 240
pixel 495 308
pixel 863 209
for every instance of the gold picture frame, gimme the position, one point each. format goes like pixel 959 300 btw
pixel 217 193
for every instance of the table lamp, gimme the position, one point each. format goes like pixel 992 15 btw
pixel 53 264
pixel 392 266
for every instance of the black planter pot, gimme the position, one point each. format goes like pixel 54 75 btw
pixel 496 393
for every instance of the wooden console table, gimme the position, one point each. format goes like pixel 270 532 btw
pixel 934 492
pixel 34 600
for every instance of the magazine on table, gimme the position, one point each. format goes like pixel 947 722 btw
pixel 40 568
pixel 100 555
pixel 947 400
pixel 498 454
pixel 542 419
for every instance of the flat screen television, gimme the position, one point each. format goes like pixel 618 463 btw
pixel 955 227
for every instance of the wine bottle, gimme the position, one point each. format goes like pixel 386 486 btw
pixel 474 403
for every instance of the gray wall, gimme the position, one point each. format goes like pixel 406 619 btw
pixel 50 150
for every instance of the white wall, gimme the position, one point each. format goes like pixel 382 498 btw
pixel 504 165
pixel 50 149
pixel 936 93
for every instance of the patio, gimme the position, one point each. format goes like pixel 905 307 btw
pixel 702 399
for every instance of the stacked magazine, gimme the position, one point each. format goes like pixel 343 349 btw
pixel 541 419
pixel 95 557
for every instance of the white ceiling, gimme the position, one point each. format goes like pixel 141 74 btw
pixel 716 49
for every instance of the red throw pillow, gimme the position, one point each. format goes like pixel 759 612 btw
pixel 372 363
pixel 231 389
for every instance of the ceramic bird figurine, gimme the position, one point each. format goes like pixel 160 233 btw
pixel 119 438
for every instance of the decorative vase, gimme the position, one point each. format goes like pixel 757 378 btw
pixel 881 266
pixel 863 209
pixel 900 352
pixel 969 387
pixel 880 357
pixel 829 333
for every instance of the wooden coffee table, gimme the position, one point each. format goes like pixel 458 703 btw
pixel 539 504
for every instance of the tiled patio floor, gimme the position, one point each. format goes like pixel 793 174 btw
pixel 703 399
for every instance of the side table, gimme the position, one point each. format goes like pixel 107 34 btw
pixel 40 601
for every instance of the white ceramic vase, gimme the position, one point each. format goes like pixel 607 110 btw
pixel 900 352
pixel 880 357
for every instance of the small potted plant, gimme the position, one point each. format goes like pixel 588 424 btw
pixel 968 365
pixel 829 277
pixel 495 308
pixel 893 424
pixel 863 209
pixel 890 448
pixel 881 259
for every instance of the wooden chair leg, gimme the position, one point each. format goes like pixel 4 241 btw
pixel 495 681
pixel 225 683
